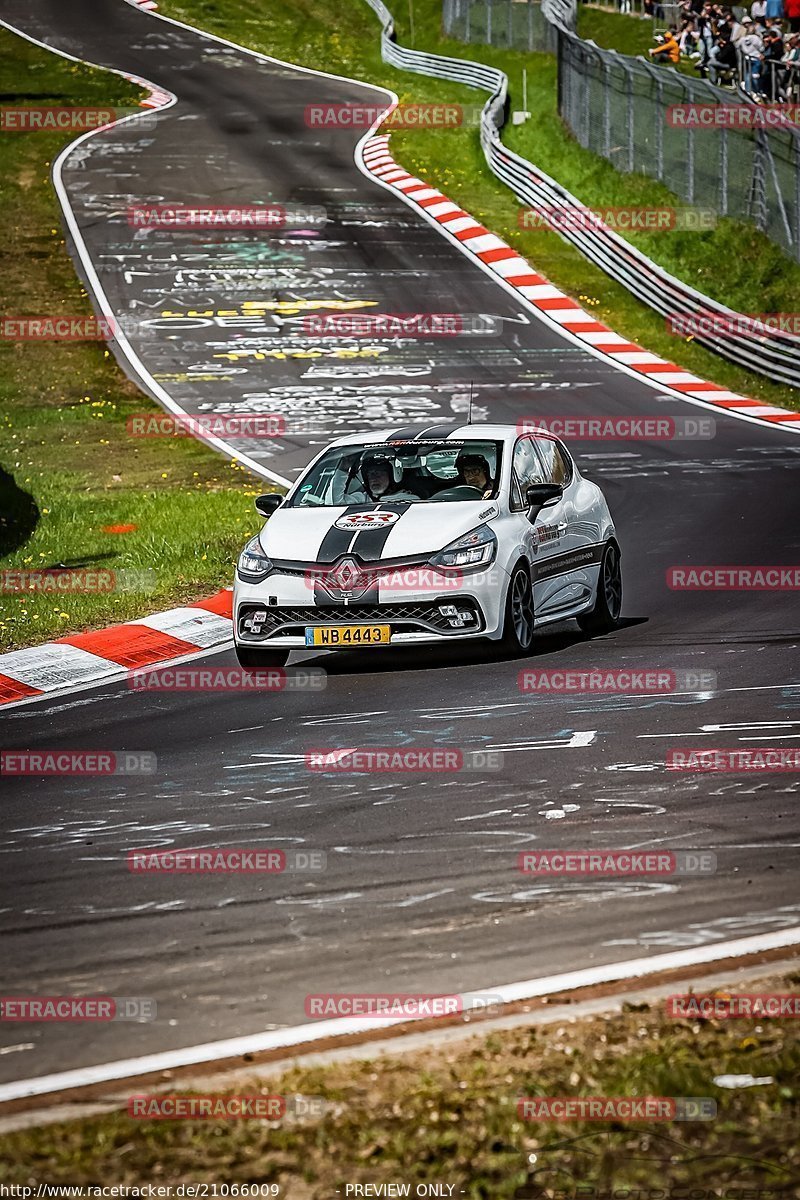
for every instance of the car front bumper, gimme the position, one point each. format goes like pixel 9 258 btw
pixel 275 612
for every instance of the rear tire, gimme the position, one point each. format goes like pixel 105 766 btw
pixel 604 617
pixel 519 617
pixel 255 659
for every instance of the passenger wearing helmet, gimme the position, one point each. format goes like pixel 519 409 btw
pixel 473 471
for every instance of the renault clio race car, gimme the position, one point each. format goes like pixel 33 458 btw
pixel 414 537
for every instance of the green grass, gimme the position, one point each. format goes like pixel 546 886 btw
pixel 68 469
pixel 323 33
pixel 626 33
pixel 449 1115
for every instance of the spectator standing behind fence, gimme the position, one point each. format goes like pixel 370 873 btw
pixel 771 65
pixel 792 61
pixel 751 47
pixel 758 10
pixel 793 13
pixel 775 9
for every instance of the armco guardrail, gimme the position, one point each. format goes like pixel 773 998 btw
pixel 776 356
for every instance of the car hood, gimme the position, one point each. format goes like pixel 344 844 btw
pixel 371 532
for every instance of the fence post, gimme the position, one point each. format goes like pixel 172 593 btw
pixel 586 109
pixel 606 107
pixel 489 21
pixel 469 14
pixel 723 171
pixel 510 26
pixel 757 205
pixel 660 119
pixel 530 24
pixel 629 82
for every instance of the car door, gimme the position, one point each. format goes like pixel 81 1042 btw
pixel 544 538
pixel 567 579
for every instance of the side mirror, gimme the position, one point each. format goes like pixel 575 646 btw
pixel 537 495
pixel 266 505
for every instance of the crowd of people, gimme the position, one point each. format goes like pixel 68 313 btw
pixel 757 50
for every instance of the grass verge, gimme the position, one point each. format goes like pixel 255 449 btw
pixel 449 1116
pixel 69 472
pixel 323 33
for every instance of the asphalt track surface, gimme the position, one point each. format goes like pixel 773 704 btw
pixel 421 891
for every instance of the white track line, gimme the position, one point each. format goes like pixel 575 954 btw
pixel 101 301
pixel 298 1036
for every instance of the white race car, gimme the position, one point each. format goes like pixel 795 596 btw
pixel 424 536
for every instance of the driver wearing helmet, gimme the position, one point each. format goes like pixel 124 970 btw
pixel 473 471
pixel 378 479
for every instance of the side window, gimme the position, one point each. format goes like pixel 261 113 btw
pixel 527 470
pixel 557 468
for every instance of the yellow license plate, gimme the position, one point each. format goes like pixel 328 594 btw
pixel 348 635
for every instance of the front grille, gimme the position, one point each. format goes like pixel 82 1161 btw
pixel 425 617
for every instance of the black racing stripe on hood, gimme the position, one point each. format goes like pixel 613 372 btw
pixel 369 544
pixel 336 541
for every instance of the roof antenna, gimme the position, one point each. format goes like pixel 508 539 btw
pixel 469 412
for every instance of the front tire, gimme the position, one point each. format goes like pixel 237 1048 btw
pixel 604 617
pixel 255 659
pixel 519 617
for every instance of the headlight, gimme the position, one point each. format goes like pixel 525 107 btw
pixel 475 549
pixel 253 563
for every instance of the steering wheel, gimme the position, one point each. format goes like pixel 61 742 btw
pixel 463 491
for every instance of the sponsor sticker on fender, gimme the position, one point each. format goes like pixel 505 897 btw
pixel 367 520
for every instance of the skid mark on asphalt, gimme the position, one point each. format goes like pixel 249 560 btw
pixel 700 933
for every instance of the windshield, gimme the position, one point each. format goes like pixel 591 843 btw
pixel 413 472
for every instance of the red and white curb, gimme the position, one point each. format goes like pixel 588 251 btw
pixel 84 659
pixel 517 274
